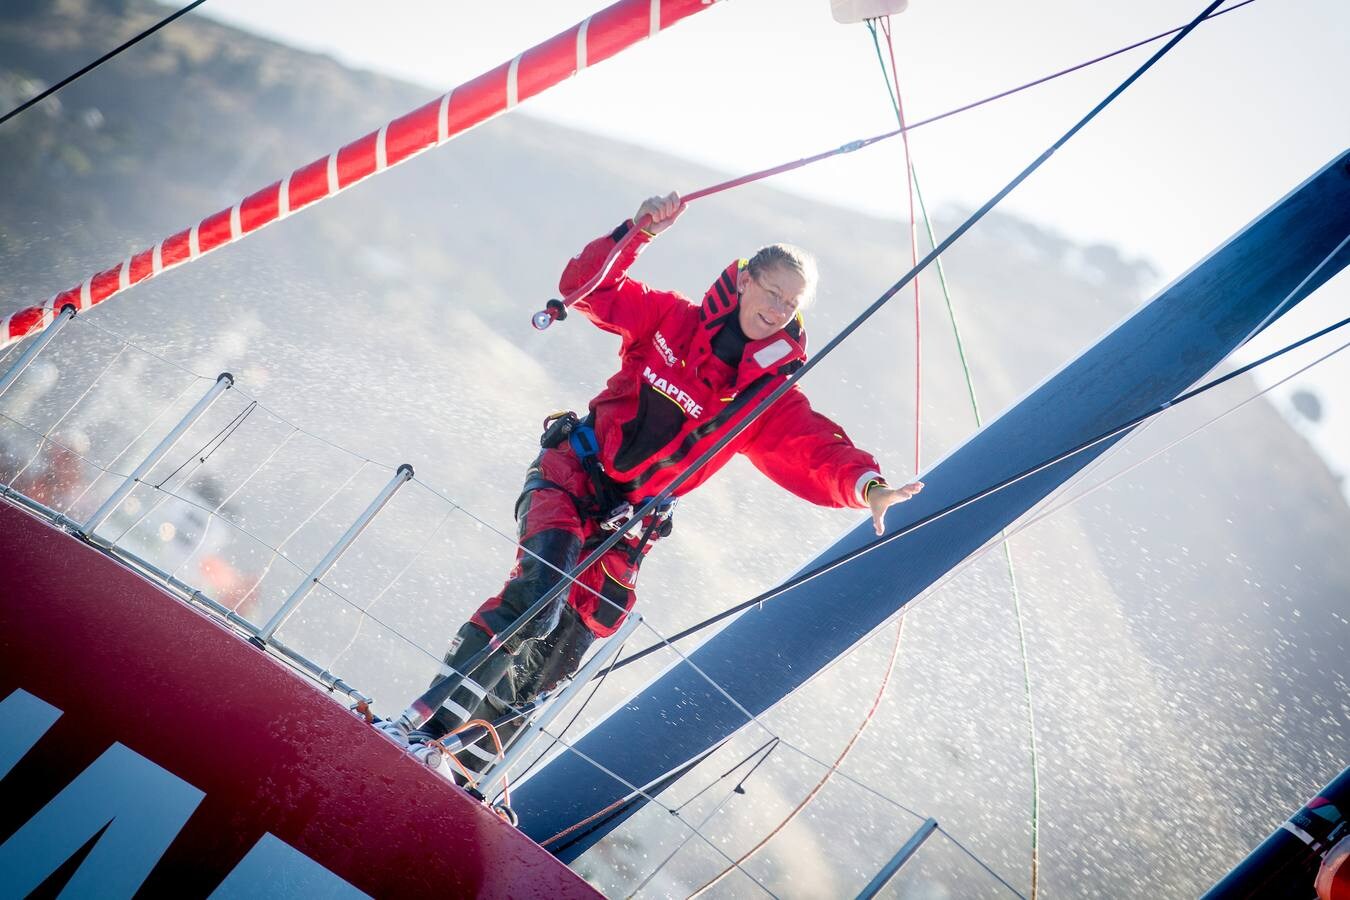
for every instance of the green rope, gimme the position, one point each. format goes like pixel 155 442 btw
pixel 1007 545
pixel 947 297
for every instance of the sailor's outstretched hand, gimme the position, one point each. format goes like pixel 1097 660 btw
pixel 663 211
pixel 881 499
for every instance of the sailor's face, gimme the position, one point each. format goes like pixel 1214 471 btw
pixel 768 301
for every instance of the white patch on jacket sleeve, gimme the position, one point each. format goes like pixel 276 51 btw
pixel 767 356
pixel 862 483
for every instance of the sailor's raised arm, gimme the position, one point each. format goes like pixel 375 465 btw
pixel 663 211
pixel 619 304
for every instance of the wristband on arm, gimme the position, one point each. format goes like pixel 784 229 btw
pixel 867 488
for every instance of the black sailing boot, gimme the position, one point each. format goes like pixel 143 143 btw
pixel 467 701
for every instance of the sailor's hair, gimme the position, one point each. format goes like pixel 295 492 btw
pixel 789 257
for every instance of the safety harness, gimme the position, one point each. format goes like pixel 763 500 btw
pixel 607 507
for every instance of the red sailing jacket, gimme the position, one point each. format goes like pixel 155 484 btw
pixel 672 398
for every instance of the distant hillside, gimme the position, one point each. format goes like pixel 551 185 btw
pixel 1187 625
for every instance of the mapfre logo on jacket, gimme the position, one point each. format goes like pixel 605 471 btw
pixel 676 393
pixel 659 342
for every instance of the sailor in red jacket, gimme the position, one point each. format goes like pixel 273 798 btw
pixel 688 373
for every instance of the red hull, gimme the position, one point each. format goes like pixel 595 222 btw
pixel 127 663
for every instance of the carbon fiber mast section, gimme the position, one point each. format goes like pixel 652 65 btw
pixel 1155 354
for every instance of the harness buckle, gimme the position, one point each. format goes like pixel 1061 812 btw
pixel 557 429
pixel 617 516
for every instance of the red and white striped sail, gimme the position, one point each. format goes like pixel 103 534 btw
pixel 599 37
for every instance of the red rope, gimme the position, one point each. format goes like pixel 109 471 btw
pixel 913 245
pixel 557 309
pixel 885 23
pixel 591 818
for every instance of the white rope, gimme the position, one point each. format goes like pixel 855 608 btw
pixel 426 546
pixel 277 550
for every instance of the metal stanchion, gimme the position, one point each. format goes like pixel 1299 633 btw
pixel 901 857
pixel 404 474
pixel 39 343
pixel 223 383
pixel 527 736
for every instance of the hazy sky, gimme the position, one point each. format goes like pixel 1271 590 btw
pixel 1239 113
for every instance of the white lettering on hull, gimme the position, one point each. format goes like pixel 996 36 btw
pixel 138 807
pixel 24 719
pixel 133 809
pixel 274 868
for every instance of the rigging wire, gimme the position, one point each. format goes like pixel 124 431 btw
pixel 422 551
pixel 127 449
pixel 914 239
pixel 833 564
pixel 277 550
pixel 599 682
pixel 201 542
pixel 738 788
pixel 218 440
pixel 197 460
pixel 766 748
pixel 1065 502
pixel 824 779
pixel 277 553
pixel 1067 71
pixel 899 617
pixel 435 695
pixel 43 95
pixel 649 796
